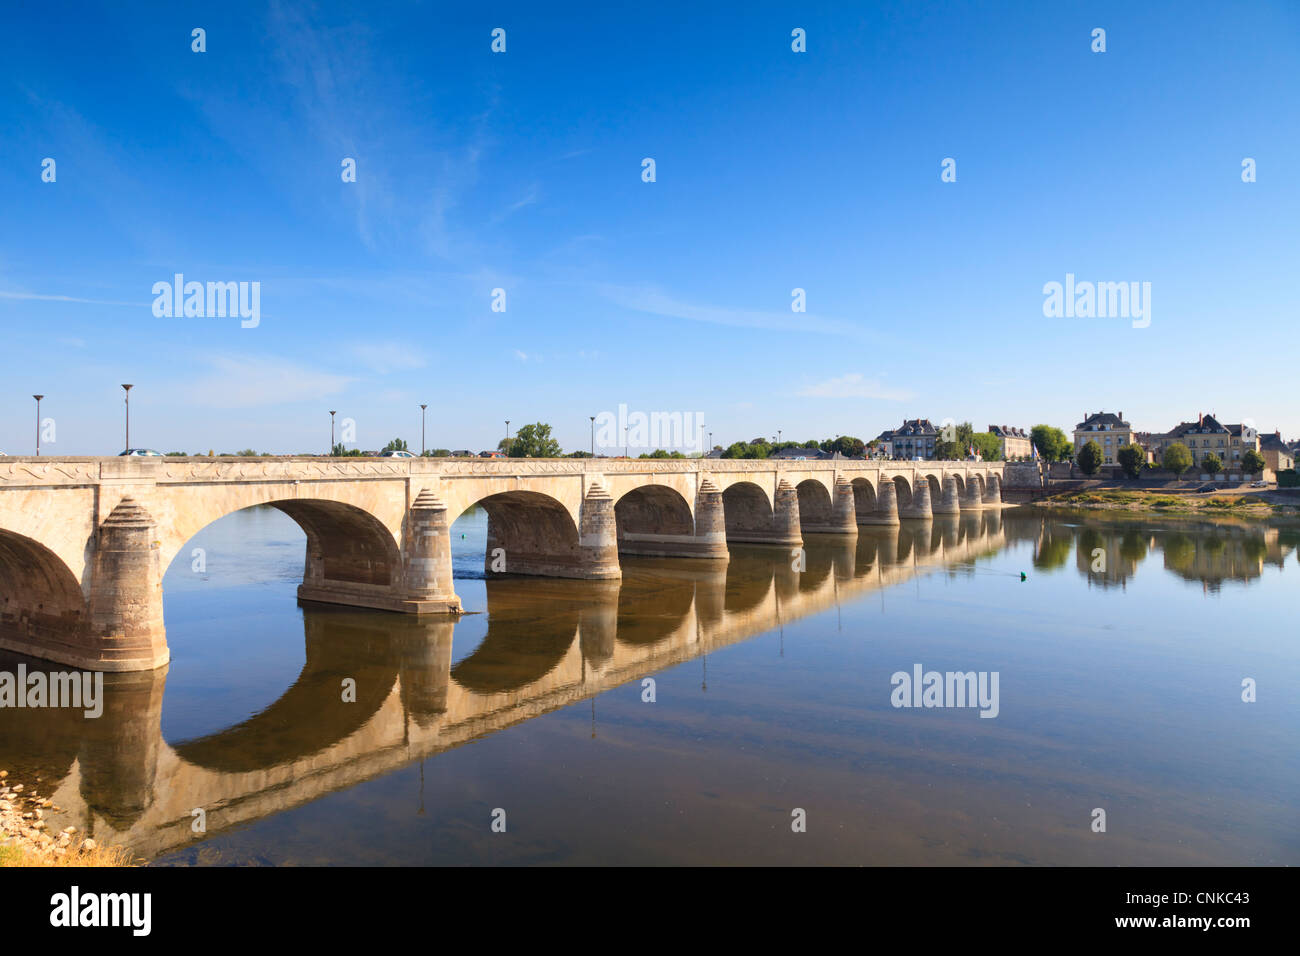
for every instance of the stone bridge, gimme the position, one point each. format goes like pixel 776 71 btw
pixel 116 778
pixel 84 542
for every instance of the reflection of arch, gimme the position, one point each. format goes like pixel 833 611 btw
pixel 747 509
pixel 864 496
pixel 651 510
pixel 311 715
pixel 653 606
pixel 41 603
pixel 510 657
pixel 534 532
pixel 904 490
pixel 815 508
pixel 749 578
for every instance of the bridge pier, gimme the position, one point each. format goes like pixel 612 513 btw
pixel 426 559
pixel 971 500
pixel 949 502
pixel 920 506
pixel 598 537
pixel 993 490
pixel 125 627
pixel 886 512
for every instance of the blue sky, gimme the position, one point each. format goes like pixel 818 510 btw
pixel 522 171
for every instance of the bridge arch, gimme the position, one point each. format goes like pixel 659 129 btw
pixel 747 509
pixel 530 533
pixel 351 555
pixel 651 519
pixel 815 505
pixel 42 607
pixel 864 496
pixel 904 489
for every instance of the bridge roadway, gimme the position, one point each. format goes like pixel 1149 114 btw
pixel 117 779
pixel 84 542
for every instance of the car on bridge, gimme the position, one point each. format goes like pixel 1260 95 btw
pixel 142 452
pixel 396 453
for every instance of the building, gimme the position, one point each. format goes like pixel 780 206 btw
pixel 1013 442
pixel 1107 429
pixel 914 439
pixel 1278 456
pixel 1205 436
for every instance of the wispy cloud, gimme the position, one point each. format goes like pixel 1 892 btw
pixel 853 385
pixel 38 297
pixel 239 381
pixel 385 357
pixel 650 300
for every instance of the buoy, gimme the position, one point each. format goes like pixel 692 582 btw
pixel 1022 575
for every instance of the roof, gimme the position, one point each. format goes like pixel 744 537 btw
pixel 1273 443
pixel 1008 431
pixel 1097 420
pixel 914 427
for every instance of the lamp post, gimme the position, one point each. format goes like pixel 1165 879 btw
pixel 127 389
pixel 38 424
pixel 507 449
pixel 593 435
pixel 778 436
pixel 332 413
pixel 422 408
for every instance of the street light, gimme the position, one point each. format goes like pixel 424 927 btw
pixel 593 435
pixel 422 408
pixel 38 424
pixel 127 389
pixel 332 414
pixel 507 437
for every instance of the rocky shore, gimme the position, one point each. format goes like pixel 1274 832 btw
pixel 25 838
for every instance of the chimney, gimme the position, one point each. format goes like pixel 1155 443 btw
pixel 1121 416
pixel 1200 417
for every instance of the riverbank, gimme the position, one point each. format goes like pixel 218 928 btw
pixel 24 840
pixel 1263 505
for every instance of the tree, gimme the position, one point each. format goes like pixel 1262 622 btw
pixel 438 453
pixel 846 445
pixel 1252 462
pixel 397 444
pixel 1090 457
pixel 341 452
pixel 535 441
pixel 1211 464
pixel 1051 442
pixel 1177 458
pixel 987 446
pixel 1132 457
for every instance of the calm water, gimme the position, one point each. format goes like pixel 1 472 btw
pixel 1120 658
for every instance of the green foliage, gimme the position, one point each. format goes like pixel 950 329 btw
pixel 246 453
pixel 846 445
pixel 438 453
pixel 1211 464
pixel 740 449
pixel 1090 457
pixel 660 453
pixel 177 454
pixel 1289 478
pixel 397 444
pixel 1051 442
pixel 579 454
pixel 1132 458
pixel 1252 462
pixel 341 452
pixel 535 441
pixel 1177 458
pixel 987 445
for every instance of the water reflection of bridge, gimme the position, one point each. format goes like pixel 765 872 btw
pixel 549 643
